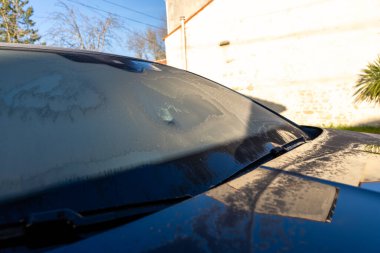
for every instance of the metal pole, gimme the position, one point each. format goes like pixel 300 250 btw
pixel 184 46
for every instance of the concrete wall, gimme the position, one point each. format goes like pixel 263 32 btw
pixel 302 55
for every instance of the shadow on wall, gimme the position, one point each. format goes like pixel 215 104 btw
pixel 271 105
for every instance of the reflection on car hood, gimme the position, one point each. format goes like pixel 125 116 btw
pixel 307 200
pixel 340 156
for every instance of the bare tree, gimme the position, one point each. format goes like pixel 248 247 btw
pixel 155 43
pixel 75 30
pixel 148 44
pixel 137 44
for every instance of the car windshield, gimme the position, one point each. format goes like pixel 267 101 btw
pixel 89 131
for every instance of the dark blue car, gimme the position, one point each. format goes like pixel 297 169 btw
pixel 105 153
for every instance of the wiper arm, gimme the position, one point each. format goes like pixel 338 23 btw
pixel 66 225
pixel 294 143
pixel 273 153
pixel 279 150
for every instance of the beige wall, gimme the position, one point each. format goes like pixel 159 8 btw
pixel 177 8
pixel 304 55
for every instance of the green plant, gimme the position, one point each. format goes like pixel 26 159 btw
pixel 368 84
pixel 365 129
pixel 16 25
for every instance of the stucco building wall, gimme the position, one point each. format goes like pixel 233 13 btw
pixel 177 8
pixel 304 55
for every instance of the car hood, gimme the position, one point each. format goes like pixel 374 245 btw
pixel 340 156
pixel 307 200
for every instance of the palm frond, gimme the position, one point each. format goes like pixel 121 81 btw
pixel 368 84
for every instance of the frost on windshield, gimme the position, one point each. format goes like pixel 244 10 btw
pixel 52 96
pixel 63 119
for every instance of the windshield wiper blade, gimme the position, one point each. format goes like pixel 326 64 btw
pixel 66 225
pixel 294 143
pixel 273 153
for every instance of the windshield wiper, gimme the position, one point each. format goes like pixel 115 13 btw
pixel 66 225
pixel 294 143
pixel 273 153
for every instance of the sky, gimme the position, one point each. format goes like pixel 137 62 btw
pixel 136 15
